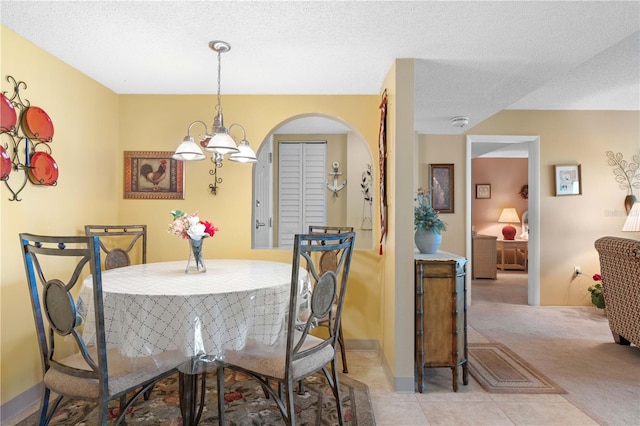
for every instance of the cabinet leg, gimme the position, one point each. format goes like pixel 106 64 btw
pixel 454 370
pixel 465 373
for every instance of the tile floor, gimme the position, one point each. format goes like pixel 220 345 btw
pixel 471 405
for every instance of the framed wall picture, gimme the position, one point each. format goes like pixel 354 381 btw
pixel 441 187
pixel 568 180
pixel 483 190
pixel 153 175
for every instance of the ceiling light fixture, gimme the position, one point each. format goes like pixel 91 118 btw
pixel 459 121
pixel 219 142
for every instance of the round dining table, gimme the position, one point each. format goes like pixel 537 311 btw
pixel 155 309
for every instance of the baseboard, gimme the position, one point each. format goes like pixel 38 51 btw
pixel 400 384
pixel 26 401
pixel 362 345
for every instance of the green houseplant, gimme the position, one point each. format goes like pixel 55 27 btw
pixel 427 224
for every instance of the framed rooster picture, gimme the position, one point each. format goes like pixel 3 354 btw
pixel 153 175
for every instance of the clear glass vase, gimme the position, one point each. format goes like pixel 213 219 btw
pixel 196 260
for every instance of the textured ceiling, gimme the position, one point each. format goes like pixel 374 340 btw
pixel 471 58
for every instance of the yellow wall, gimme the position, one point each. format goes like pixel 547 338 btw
pixel 159 122
pixel 85 147
pixel 447 149
pixel 398 297
pixel 93 126
pixel 569 225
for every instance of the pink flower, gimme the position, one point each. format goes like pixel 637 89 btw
pixel 189 226
pixel 597 277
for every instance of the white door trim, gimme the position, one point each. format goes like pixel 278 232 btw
pixel 533 145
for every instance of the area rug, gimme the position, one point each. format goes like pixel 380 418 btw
pixel 244 405
pixel 498 370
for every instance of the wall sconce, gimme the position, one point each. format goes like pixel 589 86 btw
pixel 219 142
pixel 509 216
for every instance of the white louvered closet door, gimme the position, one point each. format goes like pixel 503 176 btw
pixel 302 185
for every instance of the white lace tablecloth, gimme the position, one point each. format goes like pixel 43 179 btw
pixel 154 308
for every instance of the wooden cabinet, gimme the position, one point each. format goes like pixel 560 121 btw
pixel 441 315
pixel 483 258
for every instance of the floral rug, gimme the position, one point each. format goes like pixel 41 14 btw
pixel 244 405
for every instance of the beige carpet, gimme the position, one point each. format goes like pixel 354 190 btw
pixel 570 345
pixel 498 370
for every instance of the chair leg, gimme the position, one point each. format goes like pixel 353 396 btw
pixel 342 350
pixel 291 408
pixel 123 407
pixel 147 393
pixel 44 406
pixel 336 389
pixel 220 380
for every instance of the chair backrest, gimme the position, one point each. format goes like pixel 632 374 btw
pixel 118 242
pixel 314 292
pixel 321 229
pixel 328 259
pixel 54 266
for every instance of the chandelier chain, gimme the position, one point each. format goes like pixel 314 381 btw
pixel 219 106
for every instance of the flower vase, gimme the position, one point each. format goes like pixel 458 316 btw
pixel 428 241
pixel 196 261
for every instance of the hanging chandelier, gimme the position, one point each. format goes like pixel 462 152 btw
pixel 219 142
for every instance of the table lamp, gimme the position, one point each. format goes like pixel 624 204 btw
pixel 509 216
pixel 632 224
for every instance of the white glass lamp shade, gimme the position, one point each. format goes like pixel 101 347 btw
pixel 188 150
pixel 245 153
pixel 632 223
pixel 222 143
pixel 509 216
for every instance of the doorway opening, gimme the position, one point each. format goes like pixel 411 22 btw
pixel 478 145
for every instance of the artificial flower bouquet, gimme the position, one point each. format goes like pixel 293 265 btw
pixel 190 227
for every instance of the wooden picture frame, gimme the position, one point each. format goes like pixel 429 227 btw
pixel 152 175
pixel 483 190
pixel 568 179
pixel 441 187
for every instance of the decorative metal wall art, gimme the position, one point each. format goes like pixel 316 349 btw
pixel 26 134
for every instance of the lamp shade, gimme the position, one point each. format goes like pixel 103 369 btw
pixel 222 143
pixel 509 215
pixel 188 150
pixel 632 223
pixel 245 153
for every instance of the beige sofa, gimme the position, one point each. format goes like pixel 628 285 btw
pixel 620 270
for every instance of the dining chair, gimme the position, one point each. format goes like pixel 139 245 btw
pixel 118 242
pixel 329 260
pixel 300 354
pixel 54 266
